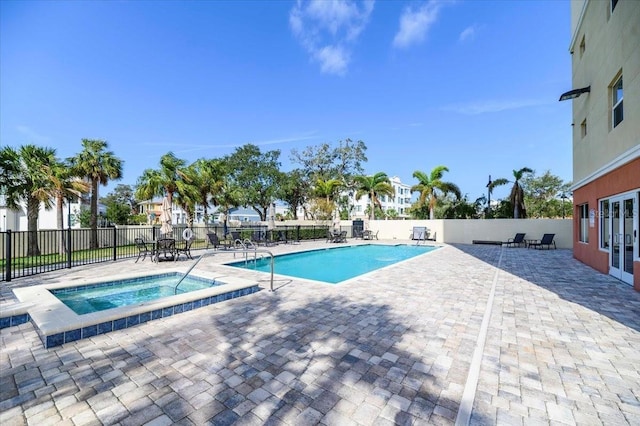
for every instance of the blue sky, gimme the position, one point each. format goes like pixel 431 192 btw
pixel 472 85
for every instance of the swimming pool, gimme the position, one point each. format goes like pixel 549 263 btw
pixel 334 265
pixel 108 295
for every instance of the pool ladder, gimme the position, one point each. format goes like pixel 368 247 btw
pixel 244 250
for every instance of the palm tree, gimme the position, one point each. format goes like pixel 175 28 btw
pixel 373 186
pixel 98 166
pixel 161 182
pixel 189 192
pixel 26 176
pixel 208 182
pixel 65 186
pixel 516 196
pixel 325 192
pixel 431 187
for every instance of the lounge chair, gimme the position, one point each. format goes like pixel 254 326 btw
pixel 547 240
pixel 166 247
pixel 143 249
pixel 419 233
pixel 517 241
pixel 214 241
pixel 186 249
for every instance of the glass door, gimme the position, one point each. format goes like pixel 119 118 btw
pixel 624 238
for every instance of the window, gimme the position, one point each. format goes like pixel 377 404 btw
pixel 604 224
pixel 584 223
pixel 583 128
pixel 583 46
pixel 616 101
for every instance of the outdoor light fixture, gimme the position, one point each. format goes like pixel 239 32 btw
pixel 574 93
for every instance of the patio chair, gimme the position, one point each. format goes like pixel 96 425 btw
pixel 517 241
pixel 282 236
pixel 166 247
pixel 186 250
pixel 143 249
pixel 330 236
pixel 340 237
pixel 546 240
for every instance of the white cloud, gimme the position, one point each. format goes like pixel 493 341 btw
pixel 468 33
pixel 31 135
pixel 489 106
pixel 327 30
pixel 415 22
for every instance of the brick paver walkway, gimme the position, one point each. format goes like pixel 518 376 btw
pixel 392 347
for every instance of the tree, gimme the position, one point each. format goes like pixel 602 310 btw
pixel 326 162
pixel 257 174
pixel 516 197
pixel 209 181
pixel 117 213
pixel 373 186
pixel 294 191
pixel 542 193
pixel 459 208
pixel 189 192
pixel 164 181
pixel 123 195
pixel 98 166
pixel 431 187
pixel 65 186
pixel 325 192
pixel 26 176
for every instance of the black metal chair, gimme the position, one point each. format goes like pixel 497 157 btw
pixel 166 247
pixel 186 249
pixel 143 249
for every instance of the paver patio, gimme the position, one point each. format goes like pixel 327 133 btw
pixel 392 347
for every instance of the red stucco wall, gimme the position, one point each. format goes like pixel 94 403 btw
pixel 623 179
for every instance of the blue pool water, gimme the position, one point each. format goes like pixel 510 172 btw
pixel 107 295
pixel 336 264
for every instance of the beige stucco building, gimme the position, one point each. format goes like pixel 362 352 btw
pixel 605 49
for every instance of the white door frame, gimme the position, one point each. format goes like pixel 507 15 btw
pixel 623 243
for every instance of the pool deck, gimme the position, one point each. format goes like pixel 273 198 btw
pixel 475 333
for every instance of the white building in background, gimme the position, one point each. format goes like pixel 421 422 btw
pixel 16 220
pixel 400 202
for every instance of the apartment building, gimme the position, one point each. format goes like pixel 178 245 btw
pixel 399 202
pixel 605 49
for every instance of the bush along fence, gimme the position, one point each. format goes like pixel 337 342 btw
pixel 25 253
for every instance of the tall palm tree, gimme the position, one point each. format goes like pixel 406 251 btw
pixel 65 186
pixel 208 183
pixel 25 176
pixel 516 196
pixel 189 192
pixel 98 166
pixel 431 187
pixel 373 186
pixel 161 182
pixel 517 193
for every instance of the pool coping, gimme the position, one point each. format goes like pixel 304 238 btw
pixel 57 324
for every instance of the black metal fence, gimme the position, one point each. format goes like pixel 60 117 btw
pixel 25 253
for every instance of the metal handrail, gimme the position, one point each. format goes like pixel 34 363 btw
pixel 256 250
